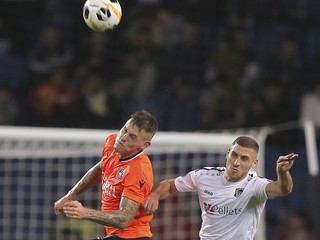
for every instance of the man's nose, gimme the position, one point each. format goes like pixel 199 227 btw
pixel 236 161
pixel 124 137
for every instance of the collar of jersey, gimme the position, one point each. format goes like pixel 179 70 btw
pixel 131 157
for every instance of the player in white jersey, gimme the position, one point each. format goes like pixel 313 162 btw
pixel 231 198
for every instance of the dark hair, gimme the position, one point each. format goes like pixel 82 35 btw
pixel 247 142
pixel 145 121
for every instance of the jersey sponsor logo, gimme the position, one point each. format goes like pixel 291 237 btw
pixel 238 192
pixel 108 189
pixel 208 192
pixel 221 210
pixel 120 173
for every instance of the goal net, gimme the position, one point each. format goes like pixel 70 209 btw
pixel 39 165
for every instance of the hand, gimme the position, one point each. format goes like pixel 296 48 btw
pixel 58 205
pixel 74 209
pixel 284 163
pixel 151 204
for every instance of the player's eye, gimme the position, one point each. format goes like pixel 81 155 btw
pixel 245 158
pixel 234 155
pixel 133 137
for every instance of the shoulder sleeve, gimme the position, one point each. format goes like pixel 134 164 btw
pixel 138 182
pixel 259 187
pixel 109 142
pixel 186 183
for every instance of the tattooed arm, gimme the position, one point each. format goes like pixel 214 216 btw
pixel 117 218
pixel 91 178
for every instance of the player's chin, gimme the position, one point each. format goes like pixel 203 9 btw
pixel 117 147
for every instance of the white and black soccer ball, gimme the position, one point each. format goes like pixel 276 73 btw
pixel 102 15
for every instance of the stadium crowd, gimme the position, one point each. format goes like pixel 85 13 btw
pixel 197 65
pixel 180 61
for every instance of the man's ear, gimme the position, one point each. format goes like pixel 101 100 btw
pixel 227 153
pixel 255 162
pixel 146 144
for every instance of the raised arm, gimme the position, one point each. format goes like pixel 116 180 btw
pixel 161 191
pixel 284 184
pixel 91 178
pixel 115 218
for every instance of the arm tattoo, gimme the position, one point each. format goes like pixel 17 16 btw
pixel 115 218
pixel 91 178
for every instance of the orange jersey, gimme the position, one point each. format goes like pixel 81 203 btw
pixel 131 178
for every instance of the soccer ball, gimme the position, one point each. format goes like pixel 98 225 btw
pixel 102 15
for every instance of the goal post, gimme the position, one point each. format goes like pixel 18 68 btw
pixel 39 165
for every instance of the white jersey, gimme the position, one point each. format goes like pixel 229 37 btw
pixel 230 210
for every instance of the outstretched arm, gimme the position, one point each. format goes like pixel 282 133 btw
pixel 283 185
pixel 162 191
pixel 116 218
pixel 91 178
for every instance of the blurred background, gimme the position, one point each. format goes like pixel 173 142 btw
pixel 198 65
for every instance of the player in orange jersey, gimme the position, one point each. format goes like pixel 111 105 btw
pixel 126 174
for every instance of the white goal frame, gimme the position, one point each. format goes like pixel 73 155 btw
pixel 91 142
